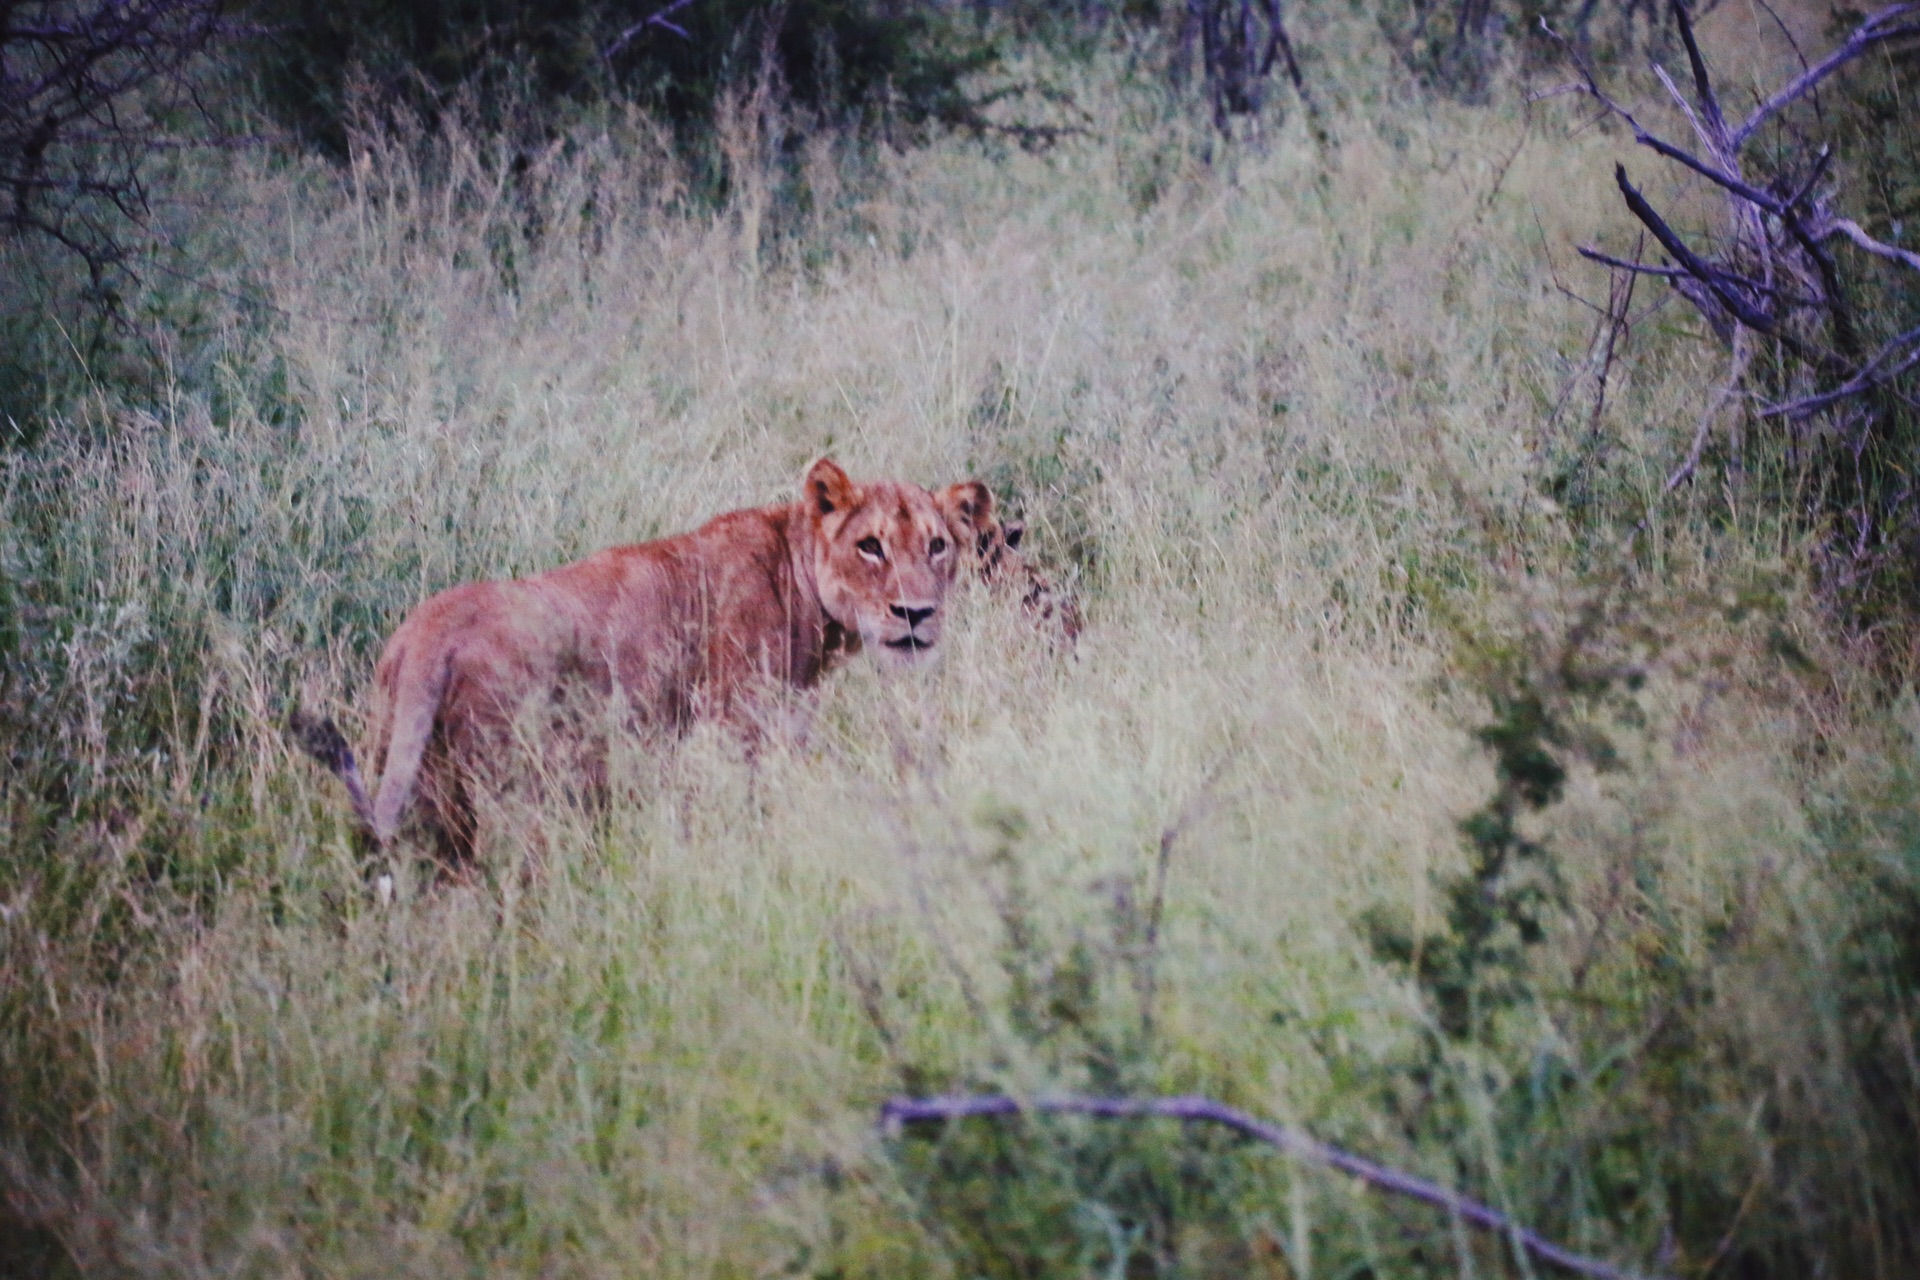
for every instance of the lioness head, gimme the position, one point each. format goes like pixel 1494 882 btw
pixel 883 559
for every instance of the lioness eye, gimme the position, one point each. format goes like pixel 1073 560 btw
pixel 935 547
pixel 870 546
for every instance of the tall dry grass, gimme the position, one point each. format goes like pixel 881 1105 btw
pixel 1282 420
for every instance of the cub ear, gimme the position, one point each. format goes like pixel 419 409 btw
pixel 968 508
pixel 828 489
pixel 1013 531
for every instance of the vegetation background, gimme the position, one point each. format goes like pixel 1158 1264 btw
pixel 1430 775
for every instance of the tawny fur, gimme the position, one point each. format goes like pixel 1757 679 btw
pixel 712 622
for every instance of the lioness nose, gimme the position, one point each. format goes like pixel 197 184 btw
pixel 913 616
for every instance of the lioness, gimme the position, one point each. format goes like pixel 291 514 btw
pixel 704 623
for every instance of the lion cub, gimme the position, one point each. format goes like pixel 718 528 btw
pixel 706 623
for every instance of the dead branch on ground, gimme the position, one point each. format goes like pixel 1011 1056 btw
pixel 896 1113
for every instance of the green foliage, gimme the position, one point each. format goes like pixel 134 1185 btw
pixel 1589 1068
pixel 1545 693
pixel 838 59
pixel 1047 1196
pixel 1457 48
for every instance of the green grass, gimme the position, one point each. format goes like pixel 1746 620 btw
pixel 1284 422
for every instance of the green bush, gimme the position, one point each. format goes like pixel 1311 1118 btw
pixel 838 59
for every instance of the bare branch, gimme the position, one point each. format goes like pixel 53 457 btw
pixel 1873 374
pixel 1676 273
pixel 1895 22
pixel 1747 192
pixel 1745 312
pixel 898 1112
pixel 659 18
pixel 1701 129
pixel 1851 230
pixel 1702 85
pixel 1742 355
pixel 71 150
pixel 1620 290
pixel 1558 91
pixel 1592 83
pixel 1652 141
pixel 1639 268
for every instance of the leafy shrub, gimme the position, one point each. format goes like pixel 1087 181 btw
pixel 836 58
pixel 1456 47
pixel 1590 1041
pixel 1048 1195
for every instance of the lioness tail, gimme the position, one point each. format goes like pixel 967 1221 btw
pixel 321 738
pixel 419 680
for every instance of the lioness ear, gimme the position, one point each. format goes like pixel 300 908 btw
pixel 968 508
pixel 828 488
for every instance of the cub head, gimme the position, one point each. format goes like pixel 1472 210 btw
pixel 883 560
pixel 993 547
pixel 991 543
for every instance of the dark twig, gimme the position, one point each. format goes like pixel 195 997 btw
pixel 896 1113
pixel 1619 307
pixel 1627 264
pixel 660 18
pixel 1742 310
pixel 1833 292
pixel 1871 375
pixel 1676 273
pixel 1751 194
pixel 1149 968
pixel 1156 909
pixel 1702 86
